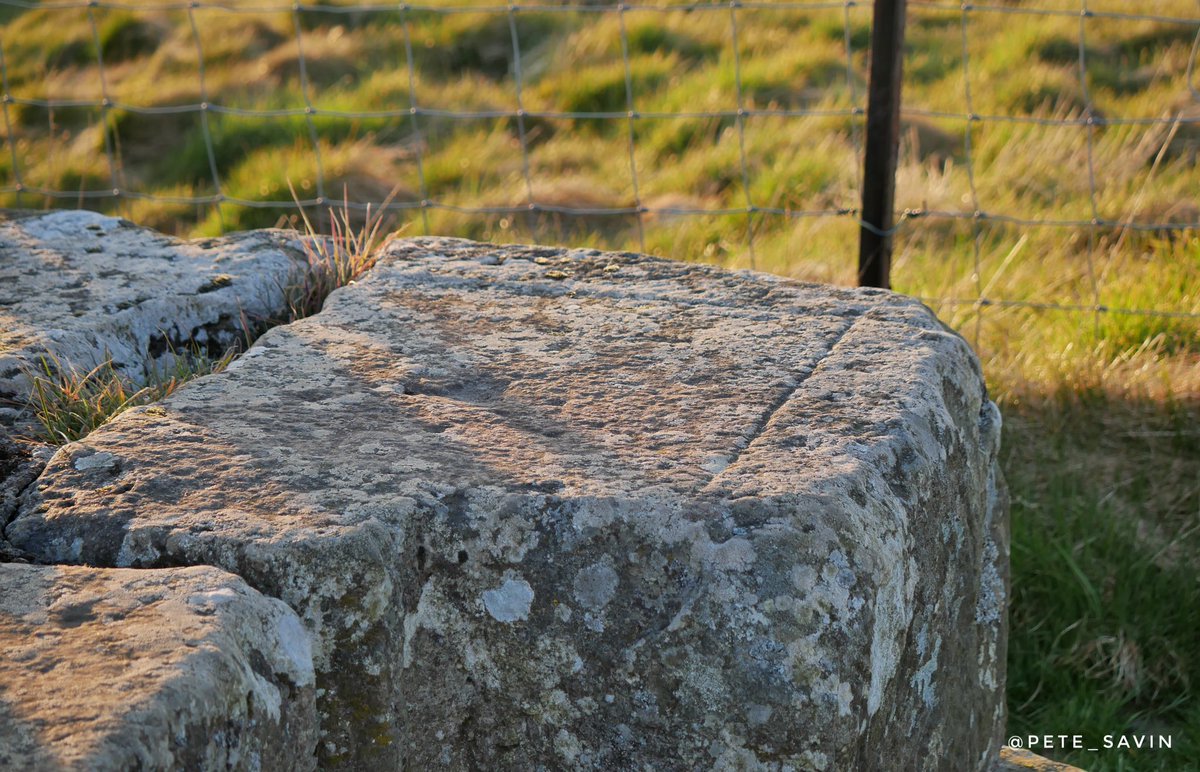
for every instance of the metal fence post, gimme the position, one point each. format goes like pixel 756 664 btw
pixel 882 143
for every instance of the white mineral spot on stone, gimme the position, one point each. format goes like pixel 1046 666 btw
pixel 295 645
pixel 845 698
pixel 567 745
pixel 596 585
pixel 212 598
pixel 510 601
pixel 95 461
pixel 922 681
pixel 734 554
pixel 715 464
pixel 757 715
pixel 890 621
pixel 69 224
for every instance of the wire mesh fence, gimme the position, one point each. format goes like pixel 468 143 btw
pixel 1048 159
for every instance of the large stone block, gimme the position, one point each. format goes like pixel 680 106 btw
pixel 117 669
pixel 83 287
pixel 546 509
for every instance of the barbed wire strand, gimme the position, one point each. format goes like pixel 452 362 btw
pixel 553 6
pixel 905 216
pixel 550 6
pixel 1099 121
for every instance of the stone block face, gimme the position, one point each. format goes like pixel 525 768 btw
pixel 117 669
pixel 83 287
pixel 546 509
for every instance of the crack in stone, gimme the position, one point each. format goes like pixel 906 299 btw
pixel 760 426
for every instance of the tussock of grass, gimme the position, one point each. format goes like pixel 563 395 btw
pixel 68 402
pixel 335 259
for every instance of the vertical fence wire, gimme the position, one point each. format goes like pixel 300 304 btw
pixel 309 111
pixel 518 77
pixel 740 122
pixel 418 141
pixel 969 157
pixel 632 109
pixel 205 129
pixel 1090 131
pixel 9 137
pixel 105 105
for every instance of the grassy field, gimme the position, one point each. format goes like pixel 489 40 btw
pixel 1102 437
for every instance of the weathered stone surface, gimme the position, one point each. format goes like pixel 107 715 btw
pixel 20 464
pixel 84 287
pixel 185 668
pixel 548 509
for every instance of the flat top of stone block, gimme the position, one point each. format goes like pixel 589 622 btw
pixel 541 370
pixel 608 377
pixel 102 667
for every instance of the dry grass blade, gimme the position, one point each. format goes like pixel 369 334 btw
pixel 69 404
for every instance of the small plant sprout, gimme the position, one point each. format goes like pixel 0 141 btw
pixel 338 258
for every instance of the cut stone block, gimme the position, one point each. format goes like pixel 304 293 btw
pixel 83 287
pixel 185 668
pixel 547 509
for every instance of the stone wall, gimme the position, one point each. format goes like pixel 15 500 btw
pixel 539 508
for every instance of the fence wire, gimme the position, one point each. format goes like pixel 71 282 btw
pixel 22 188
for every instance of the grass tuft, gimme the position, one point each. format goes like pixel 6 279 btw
pixel 336 259
pixel 69 403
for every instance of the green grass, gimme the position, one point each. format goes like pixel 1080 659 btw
pixel 1101 450
pixel 1106 509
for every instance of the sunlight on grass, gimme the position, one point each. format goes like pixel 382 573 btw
pixel 1102 405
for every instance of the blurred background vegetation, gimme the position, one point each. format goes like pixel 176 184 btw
pixel 1102 438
